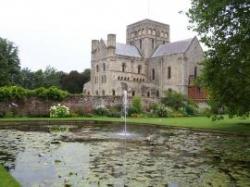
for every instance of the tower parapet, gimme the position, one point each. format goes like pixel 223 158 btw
pixel 111 41
pixel 94 45
pixel 147 35
pixel 111 44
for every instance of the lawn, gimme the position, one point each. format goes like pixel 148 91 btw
pixel 234 125
pixel 6 180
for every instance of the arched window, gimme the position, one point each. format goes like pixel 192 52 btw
pixel 169 72
pixel 123 67
pixel 103 92
pixel 148 94
pixel 157 93
pixel 96 92
pixel 195 71
pixel 140 41
pixel 97 68
pixel 88 93
pixel 133 93
pixel 153 43
pixel 104 67
pixel 153 74
pixel 113 92
pixel 139 69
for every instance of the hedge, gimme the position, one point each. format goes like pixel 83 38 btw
pixel 9 93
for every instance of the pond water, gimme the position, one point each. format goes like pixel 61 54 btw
pixel 98 155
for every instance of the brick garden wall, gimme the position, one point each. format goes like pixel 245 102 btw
pixel 77 104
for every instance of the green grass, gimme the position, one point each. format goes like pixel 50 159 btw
pixel 6 180
pixel 234 125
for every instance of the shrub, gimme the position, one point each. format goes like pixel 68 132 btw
pixel 173 99
pixel 153 107
pixel 2 114
pixel 57 94
pixel 181 105
pixel 161 111
pixel 189 110
pixel 136 104
pixel 19 93
pixel 12 93
pixel 131 111
pixel 101 111
pixel 116 108
pixel 52 93
pixel 41 93
pixel 59 111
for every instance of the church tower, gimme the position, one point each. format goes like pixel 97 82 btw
pixel 147 35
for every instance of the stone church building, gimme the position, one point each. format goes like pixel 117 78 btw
pixel 147 65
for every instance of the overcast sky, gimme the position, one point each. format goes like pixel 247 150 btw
pixel 59 32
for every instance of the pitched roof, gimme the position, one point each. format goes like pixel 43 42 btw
pixel 127 50
pixel 173 48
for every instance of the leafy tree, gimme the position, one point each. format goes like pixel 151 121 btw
pixel 26 78
pixel 73 82
pixel 47 78
pixel 224 27
pixel 9 62
pixel 52 77
pixel 173 99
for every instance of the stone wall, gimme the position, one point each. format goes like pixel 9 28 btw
pixel 77 104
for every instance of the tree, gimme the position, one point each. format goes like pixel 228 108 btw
pixel 9 62
pixel 224 27
pixel 47 78
pixel 173 99
pixel 52 77
pixel 73 82
pixel 26 79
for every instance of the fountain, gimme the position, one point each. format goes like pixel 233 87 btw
pixel 124 133
pixel 125 107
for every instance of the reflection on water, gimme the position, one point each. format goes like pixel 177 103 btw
pixel 98 155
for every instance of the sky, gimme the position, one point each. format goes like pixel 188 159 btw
pixel 58 33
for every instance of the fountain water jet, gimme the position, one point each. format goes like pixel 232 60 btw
pixel 124 110
pixel 125 105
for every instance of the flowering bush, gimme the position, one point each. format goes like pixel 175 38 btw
pixel 59 111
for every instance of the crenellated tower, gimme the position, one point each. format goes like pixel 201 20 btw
pixel 147 35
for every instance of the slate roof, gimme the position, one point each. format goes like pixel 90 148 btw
pixel 173 48
pixel 127 50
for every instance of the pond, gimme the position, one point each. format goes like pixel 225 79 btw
pixel 99 155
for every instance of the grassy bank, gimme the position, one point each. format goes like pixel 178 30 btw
pixel 6 180
pixel 235 125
